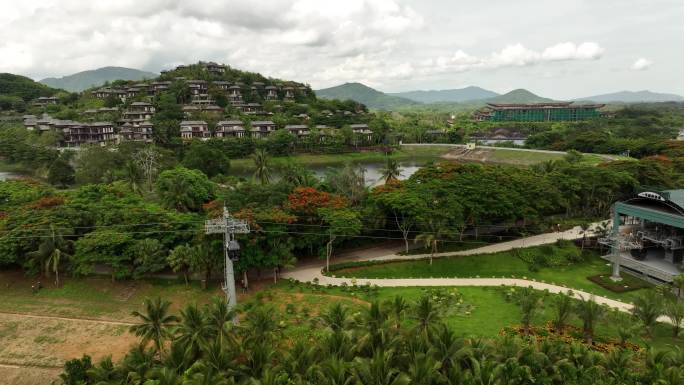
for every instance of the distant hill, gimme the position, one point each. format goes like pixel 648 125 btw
pixel 93 78
pixel 23 87
pixel 446 96
pixel 634 97
pixel 363 94
pixel 518 96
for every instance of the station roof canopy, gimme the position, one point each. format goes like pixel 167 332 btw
pixel 660 206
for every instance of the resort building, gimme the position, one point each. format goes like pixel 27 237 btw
pixel 45 100
pixel 194 129
pixel 230 128
pixel 298 130
pixel 76 134
pixel 262 128
pixel 538 112
pixel 140 132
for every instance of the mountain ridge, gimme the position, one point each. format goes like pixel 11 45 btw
pixel 465 94
pixel 93 78
pixel 361 93
pixel 633 97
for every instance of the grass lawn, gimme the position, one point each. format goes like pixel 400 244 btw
pixel 489 312
pixel 503 264
pixel 405 153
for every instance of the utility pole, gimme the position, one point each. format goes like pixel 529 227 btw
pixel 228 226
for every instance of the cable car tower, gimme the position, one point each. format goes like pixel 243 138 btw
pixel 228 226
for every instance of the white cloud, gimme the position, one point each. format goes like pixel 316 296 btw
pixel 641 64
pixel 272 36
pixel 515 55
pixel 571 51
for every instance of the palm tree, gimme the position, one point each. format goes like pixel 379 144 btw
pixel 530 302
pixel 625 326
pixel 563 311
pixel 336 317
pixel 50 252
pixel 584 230
pixel 378 370
pixel 193 332
pixel 425 370
pixel 431 235
pixel 397 307
pixel 391 171
pixel 333 371
pixel 647 308
pixel 674 310
pixel 156 323
pixel 218 315
pixel 590 313
pixel 262 170
pixel 425 313
pixel 618 365
pixel 105 372
pixel 134 176
pixel 164 376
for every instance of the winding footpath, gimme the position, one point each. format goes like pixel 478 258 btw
pixel 311 272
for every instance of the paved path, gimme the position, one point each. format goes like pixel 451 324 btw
pixel 94 320
pixel 313 270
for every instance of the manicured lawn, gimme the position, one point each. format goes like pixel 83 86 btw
pixel 489 311
pixel 504 264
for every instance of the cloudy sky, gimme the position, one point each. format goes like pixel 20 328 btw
pixel 559 49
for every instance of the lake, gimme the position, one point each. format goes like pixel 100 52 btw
pixel 9 175
pixel 372 170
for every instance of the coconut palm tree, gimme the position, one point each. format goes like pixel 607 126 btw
pixel 193 332
pixel 425 313
pixel 590 313
pixel 333 371
pixel 156 323
pixel 51 250
pixel 336 317
pixel 379 370
pixel 218 316
pixel 262 171
pixel 391 170
pixel 647 308
pixel 397 307
pixel 431 234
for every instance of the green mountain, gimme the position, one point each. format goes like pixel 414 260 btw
pixel 448 96
pixel 22 87
pixel 518 96
pixel 633 97
pixel 83 80
pixel 363 94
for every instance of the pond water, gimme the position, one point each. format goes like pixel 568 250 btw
pixel 8 175
pixel 372 175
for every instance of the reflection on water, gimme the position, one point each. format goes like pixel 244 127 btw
pixel 8 175
pixel 373 170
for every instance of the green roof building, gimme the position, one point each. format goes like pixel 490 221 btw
pixel 538 112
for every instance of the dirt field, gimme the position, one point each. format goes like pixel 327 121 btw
pixel 48 342
pixel 13 375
